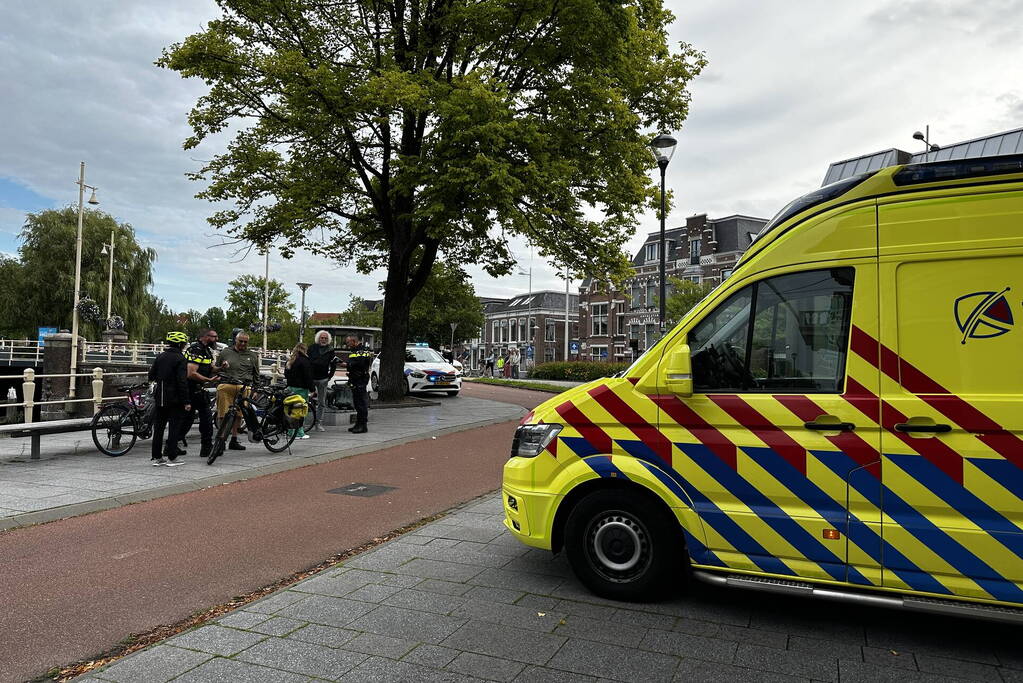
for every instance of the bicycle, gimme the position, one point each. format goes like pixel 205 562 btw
pixel 272 427
pixel 117 426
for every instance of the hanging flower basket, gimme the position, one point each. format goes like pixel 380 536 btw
pixel 88 310
pixel 115 322
pixel 271 327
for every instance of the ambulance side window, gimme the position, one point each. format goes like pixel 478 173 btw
pixel 796 343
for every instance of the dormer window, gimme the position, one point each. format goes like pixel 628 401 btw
pixel 651 251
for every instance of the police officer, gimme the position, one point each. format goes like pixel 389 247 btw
pixel 201 369
pixel 171 395
pixel 359 361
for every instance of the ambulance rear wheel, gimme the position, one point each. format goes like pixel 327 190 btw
pixel 624 546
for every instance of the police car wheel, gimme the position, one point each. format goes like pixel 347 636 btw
pixel 622 546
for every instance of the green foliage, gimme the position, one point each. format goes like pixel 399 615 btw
pixel 448 297
pixel 386 135
pixel 161 320
pixel 245 302
pixel 358 315
pixel 38 290
pixel 684 295
pixel 578 370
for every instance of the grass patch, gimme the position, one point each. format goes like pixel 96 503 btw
pixel 518 384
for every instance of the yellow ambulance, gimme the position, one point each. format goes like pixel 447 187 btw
pixel 841 418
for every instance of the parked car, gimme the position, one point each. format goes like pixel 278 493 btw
pixel 425 370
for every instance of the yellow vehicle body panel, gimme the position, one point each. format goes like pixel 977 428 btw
pixel 919 491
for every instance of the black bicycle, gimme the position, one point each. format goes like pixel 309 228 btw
pixel 117 426
pixel 261 407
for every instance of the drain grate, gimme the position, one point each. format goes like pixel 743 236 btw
pixel 362 490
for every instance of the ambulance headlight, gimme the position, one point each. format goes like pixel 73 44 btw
pixel 530 440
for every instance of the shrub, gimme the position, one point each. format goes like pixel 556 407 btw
pixel 578 371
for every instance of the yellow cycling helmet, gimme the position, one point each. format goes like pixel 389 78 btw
pixel 177 337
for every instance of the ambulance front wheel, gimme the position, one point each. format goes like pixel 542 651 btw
pixel 625 546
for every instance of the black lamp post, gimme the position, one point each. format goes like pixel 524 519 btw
pixel 663 147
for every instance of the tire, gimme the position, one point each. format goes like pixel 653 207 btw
pixel 114 430
pixel 625 546
pixel 278 439
pixel 216 451
pixel 310 417
pixel 221 436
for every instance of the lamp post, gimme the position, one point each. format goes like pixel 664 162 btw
pixel 301 327
pixel 529 304
pixel 663 148
pixel 78 273
pixel 567 282
pixel 266 297
pixel 925 137
pixel 110 278
pixel 453 326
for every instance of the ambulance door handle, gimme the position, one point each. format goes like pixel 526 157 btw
pixel 829 426
pixel 932 428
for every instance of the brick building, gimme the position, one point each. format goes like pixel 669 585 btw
pixel 620 325
pixel 505 324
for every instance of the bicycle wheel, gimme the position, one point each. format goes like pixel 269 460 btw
pixel 114 429
pixel 276 437
pixel 221 437
pixel 310 417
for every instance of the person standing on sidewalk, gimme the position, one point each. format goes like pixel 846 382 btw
pixel 324 361
pixel 201 369
pixel 359 361
pixel 298 373
pixel 171 395
pixel 242 365
pixel 514 358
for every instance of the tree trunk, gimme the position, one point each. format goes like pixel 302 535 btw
pixel 393 384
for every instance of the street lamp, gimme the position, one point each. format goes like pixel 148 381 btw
pixel 529 306
pixel 110 279
pixel 78 273
pixel 301 327
pixel 453 326
pixel 925 137
pixel 663 148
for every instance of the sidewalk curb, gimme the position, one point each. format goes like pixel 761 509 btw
pixel 28 519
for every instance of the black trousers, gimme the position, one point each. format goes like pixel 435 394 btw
pixel 171 418
pixel 201 409
pixel 360 397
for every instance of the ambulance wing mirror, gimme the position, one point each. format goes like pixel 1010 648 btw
pixel 678 375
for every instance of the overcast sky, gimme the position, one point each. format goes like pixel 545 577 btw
pixel 791 87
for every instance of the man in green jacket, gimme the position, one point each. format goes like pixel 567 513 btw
pixel 242 365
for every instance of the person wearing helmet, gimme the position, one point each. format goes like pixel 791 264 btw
pixel 170 373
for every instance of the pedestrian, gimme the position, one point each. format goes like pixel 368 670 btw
pixel 324 361
pixel 359 360
pixel 241 365
pixel 514 358
pixel 489 367
pixel 299 375
pixel 499 363
pixel 170 373
pixel 200 370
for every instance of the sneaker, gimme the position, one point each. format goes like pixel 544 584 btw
pixel 174 463
pixel 156 462
pixel 319 427
pixel 235 446
pixel 304 436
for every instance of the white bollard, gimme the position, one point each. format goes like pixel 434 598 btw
pixel 97 389
pixel 28 386
pixel 275 373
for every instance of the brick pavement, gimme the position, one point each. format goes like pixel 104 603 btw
pixel 460 600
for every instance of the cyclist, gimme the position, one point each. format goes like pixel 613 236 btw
pixel 171 395
pixel 359 360
pixel 201 369
pixel 240 364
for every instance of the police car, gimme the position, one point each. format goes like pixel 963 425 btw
pixel 425 370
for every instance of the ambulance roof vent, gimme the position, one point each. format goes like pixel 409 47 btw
pixel 941 171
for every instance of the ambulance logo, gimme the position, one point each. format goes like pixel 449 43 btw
pixel 983 315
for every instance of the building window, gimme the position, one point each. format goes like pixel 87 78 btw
pixel 598 352
pixel 694 253
pixel 495 334
pixel 550 331
pixel 548 353
pixel 726 273
pixel 636 296
pixel 598 320
pixel 620 323
pixel 651 293
pixel 634 331
pixel 651 252
pixel 651 335
pixel 669 250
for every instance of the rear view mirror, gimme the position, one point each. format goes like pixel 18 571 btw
pixel 678 372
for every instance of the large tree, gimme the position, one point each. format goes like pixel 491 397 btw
pixel 245 301
pixel 448 297
pixel 388 132
pixel 683 296
pixel 45 284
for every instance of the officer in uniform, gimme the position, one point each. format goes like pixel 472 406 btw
pixel 359 361
pixel 201 369
pixel 172 399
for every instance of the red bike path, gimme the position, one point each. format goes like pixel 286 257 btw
pixel 74 588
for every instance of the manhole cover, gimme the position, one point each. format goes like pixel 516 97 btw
pixel 364 490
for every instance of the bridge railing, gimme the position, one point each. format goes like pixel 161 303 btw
pixel 29 377
pixel 113 353
pixel 20 351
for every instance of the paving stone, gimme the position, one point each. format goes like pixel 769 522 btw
pixel 403 623
pixel 888 658
pixel 1011 675
pixel 838 648
pixel 516 550
pixel 957 668
pixel 553 566
pixel 373 593
pixel 323 609
pixel 540 602
pixel 522 581
pixel 664 622
pixel 861 672
pixel 275 602
pixel 819 667
pixel 930 641
pixel 442 543
pixel 427 602
pixel 413 539
pixel 483 666
pixel 278 626
pixel 219 670
pixel 536 674
pixel 491 594
pixel 617 663
pixel 217 640
pixel 709 672
pixel 601 631
pixel 153 665
pixel 383 646
pixel 438 569
pixel 722 613
pixel 444 587
pixel 505 642
pixel 510 615
pixel 585 609
pixel 323 635
pixel 339 584
pixel 431 655
pixel 301 657
pixel 380 670
pixel 388 558
pixel 689 645
pixel 242 619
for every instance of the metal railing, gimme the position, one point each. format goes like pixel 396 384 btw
pixel 20 350
pixel 28 387
pixel 113 353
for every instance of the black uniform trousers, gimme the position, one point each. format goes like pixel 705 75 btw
pixel 171 418
pixel 360 398
pixel 201 409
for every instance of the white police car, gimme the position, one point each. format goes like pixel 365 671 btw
pixel 425 370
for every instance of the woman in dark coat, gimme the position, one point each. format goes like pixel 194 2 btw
pixel 299 375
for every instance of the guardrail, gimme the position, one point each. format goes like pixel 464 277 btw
pixel 113 353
